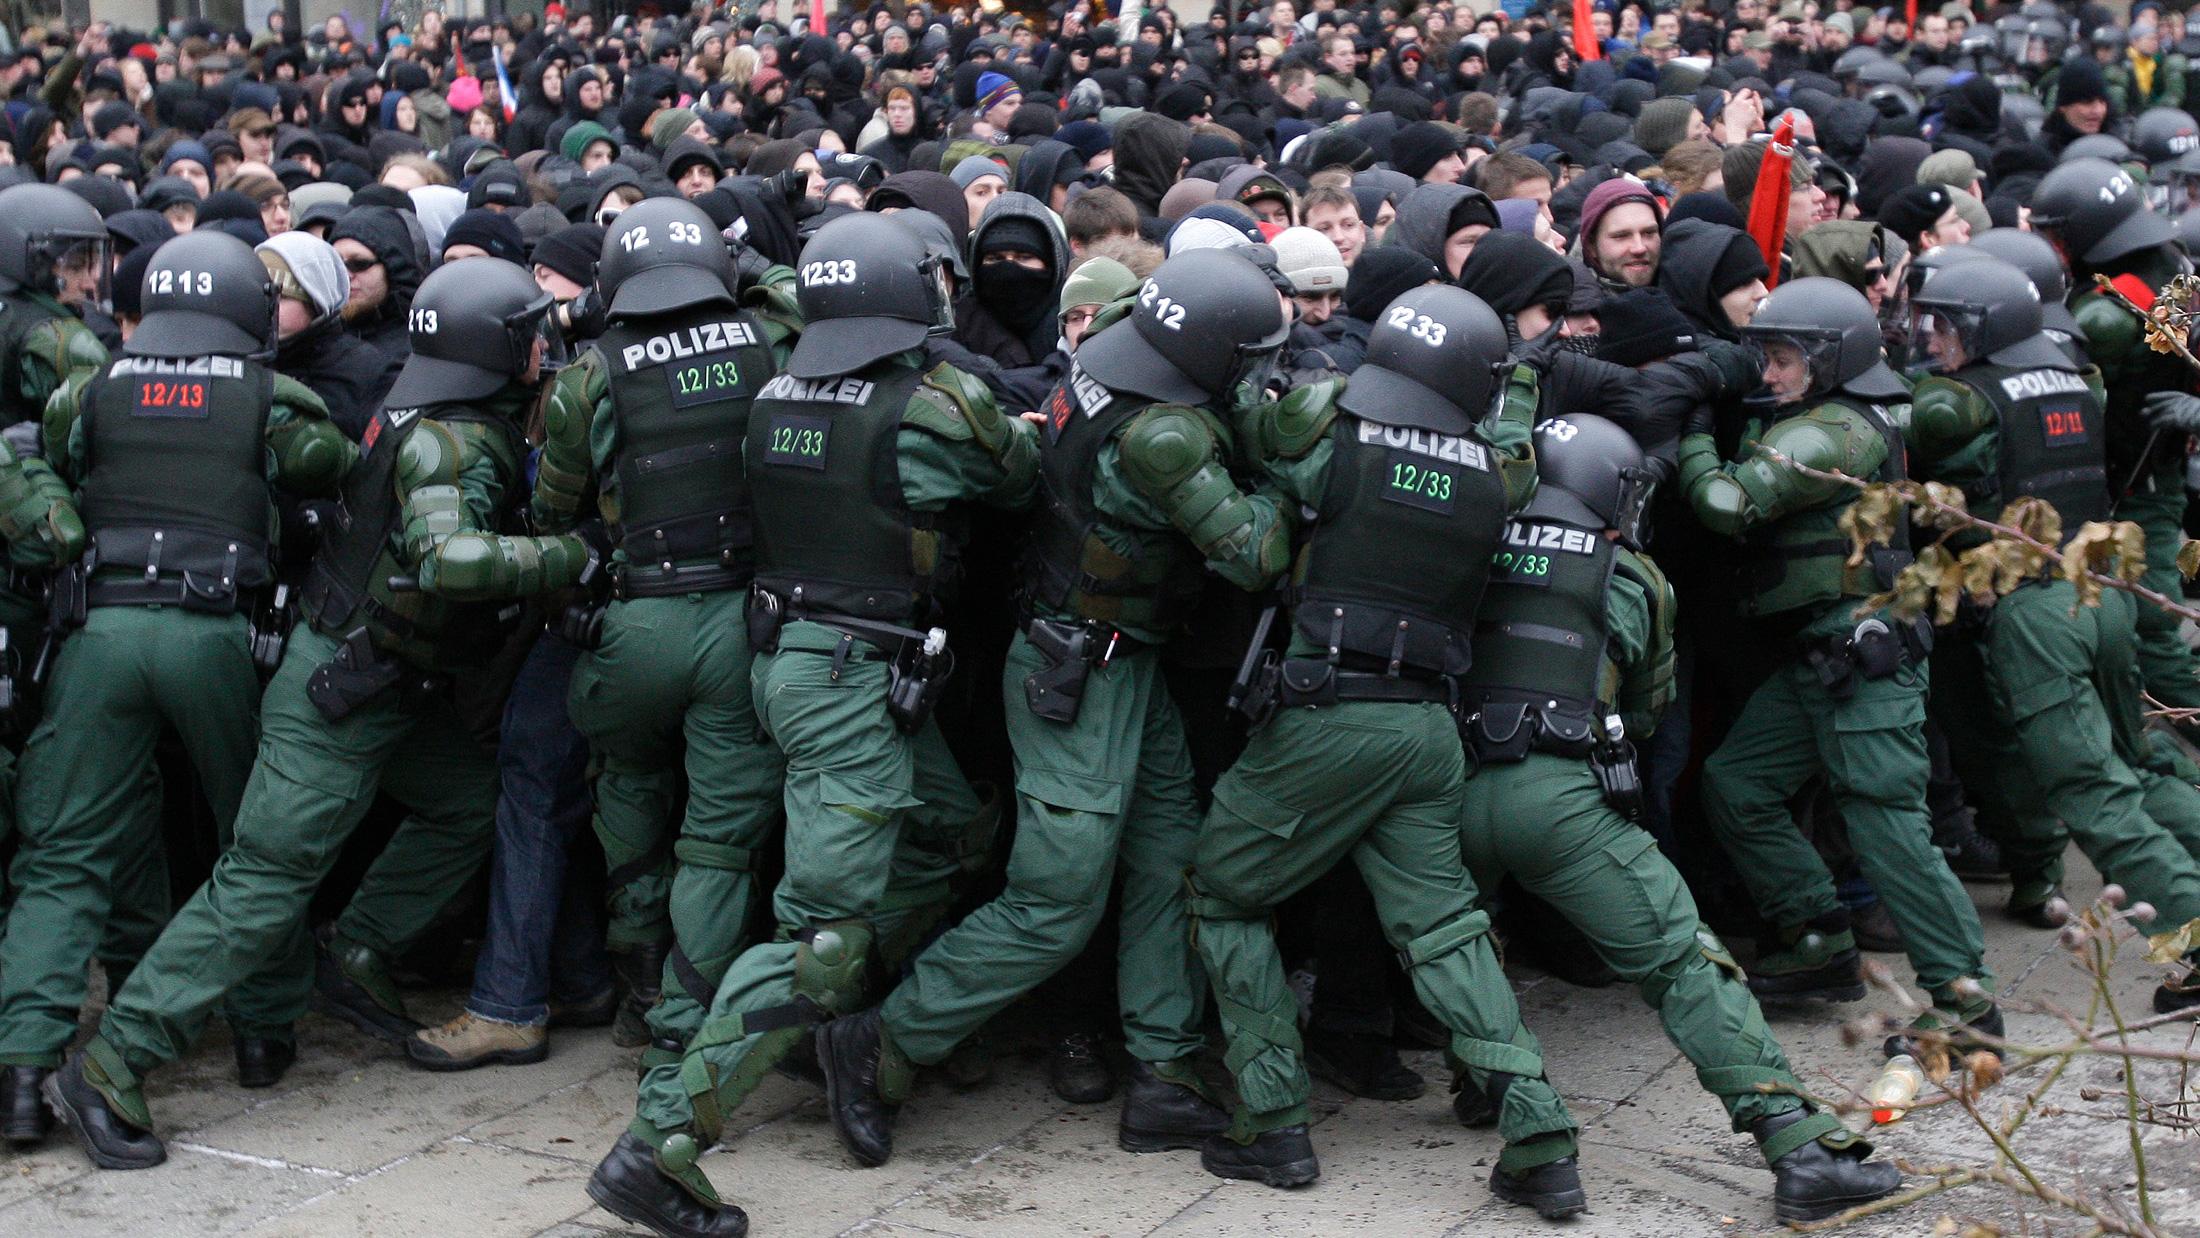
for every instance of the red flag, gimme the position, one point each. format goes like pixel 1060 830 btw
pixel 1586 46
pixel 1768 204
pixel 817 16
pixel 1909 15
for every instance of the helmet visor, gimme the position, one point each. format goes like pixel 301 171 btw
pixel 533 325
pixel 1943 339
pixel 1799 364
pixel 1632 504
pixel 74 268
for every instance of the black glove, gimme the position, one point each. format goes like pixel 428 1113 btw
pixel 1741 368
pixel 1701 419
pixel 749 265
pixel 792 187
pixel 2172 410
pixel 586 316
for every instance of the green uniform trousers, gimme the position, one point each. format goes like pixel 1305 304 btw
pixel 879 827
pixel 667 693
pixel 311 784
pixel 91 824
pixel 1871 749
pixel 1381 783
pixel 2067 687
pixel 1544 822
pixel 1982 747
pixel 1111 791
pixel 2172 674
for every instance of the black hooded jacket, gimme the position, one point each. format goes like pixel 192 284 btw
pixel 380 229
pixel 350 374
pixel 1149 152
pixel 1020 349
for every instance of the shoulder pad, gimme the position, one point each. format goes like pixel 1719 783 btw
pixel 70 344
pixel 954 405
pixel 1644 571
pixel 1826 437
pixel 431 456
pixel 580 385
pixel 1167 440
pixel 965 390
pixel 1299 420
pixel 2111 331
pixel 1937 392
pixel 298 397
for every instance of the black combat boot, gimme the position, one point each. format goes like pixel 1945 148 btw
pixel 1975 857
pixel 1980 1016
pixel 108 1139
pixel 1283 1157
pixel 641 976
pixel 262 1061
pixel 630 1185
pixel 2029 901
pixel 353 983
pixel 24 1120
pixel 849 1051
pixel 1162 1111
pixel 1362 1064
pixel 1077 1070
pixel 1814 1181
pixel 1815 961
pixel 1553 1188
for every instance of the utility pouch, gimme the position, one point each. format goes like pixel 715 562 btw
pixel 356 675
pixel 766 616
pixel 67 604
pixel 1613 759
pixel 1836 670
pixel 1308 682
pixel 581 624
pixel 1500 732
pixel 916 678
pixel 1876 650
pixel 268 630
pixel 1056 691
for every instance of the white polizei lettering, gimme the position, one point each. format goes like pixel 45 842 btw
pixel 695 341
pixel 1550 537
pixel 1092 397
pixel 2034 383
pixel 822 390
pixel 195 367
pixel 1450 448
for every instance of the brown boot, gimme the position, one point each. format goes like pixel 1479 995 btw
pixel 469 1041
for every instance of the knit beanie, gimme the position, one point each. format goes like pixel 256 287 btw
pixel 1642 325
pixel 1915 209
pixel 1953 168
pixel 1663 124
pixel 1738 166
pixel 1309 260
pixel 1381 276
pixel 1097 281
pixel 1421 145
pixel 670 124
pixel 572 252
pixel 972 168
pixel 995 87
pixel 493 231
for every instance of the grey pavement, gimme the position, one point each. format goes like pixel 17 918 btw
pixel 355 1142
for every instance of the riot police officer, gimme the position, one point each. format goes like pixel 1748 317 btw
pixel 856 456
pixel 53 259
pixel 1573 658
pixel 649 421
pixel 2099 220
pixel 1136 495
pixel 397 600
pixel 1403 479
pixel 2003 414
pixel 1848 699
pixel 166 620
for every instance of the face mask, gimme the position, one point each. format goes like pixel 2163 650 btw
pixel 1015 294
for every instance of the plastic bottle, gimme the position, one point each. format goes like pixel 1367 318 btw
pixel 1896 1087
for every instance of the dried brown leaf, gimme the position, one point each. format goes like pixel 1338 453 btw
pixel 1872 520
pixel 2173 945
pixel 2188 559
pixel 2035 518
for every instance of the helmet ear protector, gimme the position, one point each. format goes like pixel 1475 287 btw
pixel 533 322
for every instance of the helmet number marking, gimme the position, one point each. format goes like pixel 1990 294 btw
pixel 167 281
pixel 423 322
pixel 1419 326
pixel 2116 187
pixel 829 271
pixel 1166 311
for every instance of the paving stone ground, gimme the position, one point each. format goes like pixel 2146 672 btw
pixel 357 1143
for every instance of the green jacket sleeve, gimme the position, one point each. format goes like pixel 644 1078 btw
pixel 955 444
pixel 1944 415
pixel 1639 616
pixel 1734 497
pixel 1172 457
pixel 51 352
pixel 452 485
pixel 307 455
pixel 37 515
pixel 1510 428
pixel 570 424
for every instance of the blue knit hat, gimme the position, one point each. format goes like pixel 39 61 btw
pixel 994 87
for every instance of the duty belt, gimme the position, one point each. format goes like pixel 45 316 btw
pixel 1311 683
pixel 629 581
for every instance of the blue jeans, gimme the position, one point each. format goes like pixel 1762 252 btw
pixel 546 931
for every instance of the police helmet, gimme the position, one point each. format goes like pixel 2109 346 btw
pixel 206 294
pixel 2091 208
pixel 2161 134
pixel 1432 361
pixel 868 289
pixel 473 324
pixel 1878 70
pixel 1592 474
pixel 1932 262
pixel 663 254
pixel 43 227
pixel 2046 36
pixel 2031 254
pixel 2100 146
pixel 1836 331
pixel 1982 310
pixel 1205 321
pixel 1851 62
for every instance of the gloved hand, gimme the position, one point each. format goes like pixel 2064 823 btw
pixel 2172 410
pixel 793 188
pixel 749 265
pixel 1741 368
pixel 1700 420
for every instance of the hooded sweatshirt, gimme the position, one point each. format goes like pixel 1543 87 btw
pixel 348 373
pixel 1010 312
pixel 1695 255
pixel 381 229
pixel 1432 213
pixel 1149 152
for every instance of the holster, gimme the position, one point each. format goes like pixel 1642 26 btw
pixel 1619 776
pixel 915 680
pixel 268 630
pixel 766 616
pixel 1056 691
pixel 69 600
pixel 358 674
pixel 580 624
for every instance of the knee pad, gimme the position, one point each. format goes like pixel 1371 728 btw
pixel 829 961
pixel 696 852
pixel 1706 946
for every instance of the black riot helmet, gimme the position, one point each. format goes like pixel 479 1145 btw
pixel 1204 322
pixel 2099 146
pixel 2032 255
pixel 1592 474
pixel 1932 262
pixel 474 324
pixel 2092 210
pixel 2161 134
pixel 2177 190
pixel 1432 361
pixel 206 294
pixel 44 227
pixel 1982 310
pixel 1835 330
pixel 868 289
pixel 663 254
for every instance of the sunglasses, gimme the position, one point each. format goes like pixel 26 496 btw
pixel 359 266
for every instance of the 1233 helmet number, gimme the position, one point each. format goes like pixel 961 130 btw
pixel 1419 326
pixel 828 272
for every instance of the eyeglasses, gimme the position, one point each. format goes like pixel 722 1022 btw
pixel 359 266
